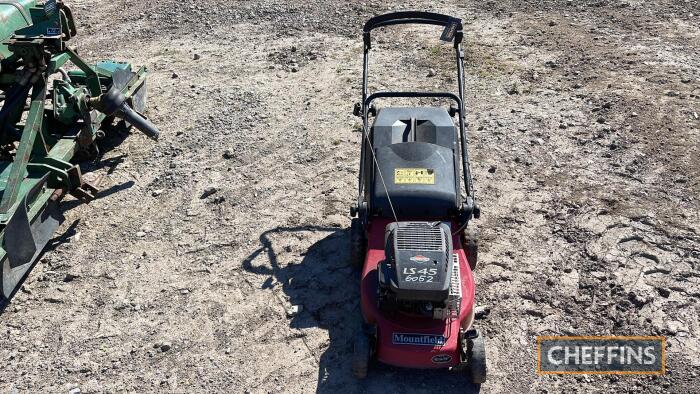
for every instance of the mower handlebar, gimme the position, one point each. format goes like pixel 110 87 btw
pixel 411 17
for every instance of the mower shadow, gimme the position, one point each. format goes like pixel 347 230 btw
pixel 328 291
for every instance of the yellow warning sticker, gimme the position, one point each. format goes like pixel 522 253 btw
pixel 414 176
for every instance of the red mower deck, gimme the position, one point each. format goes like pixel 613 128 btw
pixel 407 328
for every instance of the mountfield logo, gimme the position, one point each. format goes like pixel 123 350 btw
pixel 601 355
pixel 418 339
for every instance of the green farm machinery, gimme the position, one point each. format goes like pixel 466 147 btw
pixel 54 107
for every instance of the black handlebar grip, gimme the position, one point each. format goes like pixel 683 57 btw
pixel 139 121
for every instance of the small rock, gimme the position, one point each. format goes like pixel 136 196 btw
pixel 228 154
pixel 634 114
pixel 174 76
pixel 294 310
pixel 601 120
pixel 74 391
pixel 157 193
pixel 294 68
pixel 196 56
pixel 70 277
pixel 432 72
pixel 675 327
pixel 664 292
pixel 165 346
pixel 140 234
pixel 121 305
pixel 481 311
pixel 492 169
pixel 208 191
pixel 638 300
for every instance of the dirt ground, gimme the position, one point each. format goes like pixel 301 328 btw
pixel 584 140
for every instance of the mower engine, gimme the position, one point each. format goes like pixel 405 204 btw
pixel 420 275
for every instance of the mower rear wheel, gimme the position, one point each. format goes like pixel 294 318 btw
pixel 477 360
pixel 361 356
pixel 357 244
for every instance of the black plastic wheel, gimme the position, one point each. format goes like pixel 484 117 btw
pixel 361 356
pixel 471 248
pixel 477 360
pixel 358 244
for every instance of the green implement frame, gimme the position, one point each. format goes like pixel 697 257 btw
pixel 46 121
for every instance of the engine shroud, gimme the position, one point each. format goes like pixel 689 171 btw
pixel 418 264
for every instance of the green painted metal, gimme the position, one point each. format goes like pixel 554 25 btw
pixel 14 15
pixel 43 24
pixel 63 118
pixel 26 145
pixel 92 76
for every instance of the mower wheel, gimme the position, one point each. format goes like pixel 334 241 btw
pixel 470 248
pixel 361 356
pixel 357 244
pixel 477 360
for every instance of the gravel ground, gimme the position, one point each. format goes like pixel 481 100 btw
pixel 584 139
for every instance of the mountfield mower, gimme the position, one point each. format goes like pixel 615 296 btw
pixel 50 116
pixel 409 235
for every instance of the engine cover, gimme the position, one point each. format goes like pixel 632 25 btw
pixel 418 264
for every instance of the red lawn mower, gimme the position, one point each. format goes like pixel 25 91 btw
pixel 409 233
